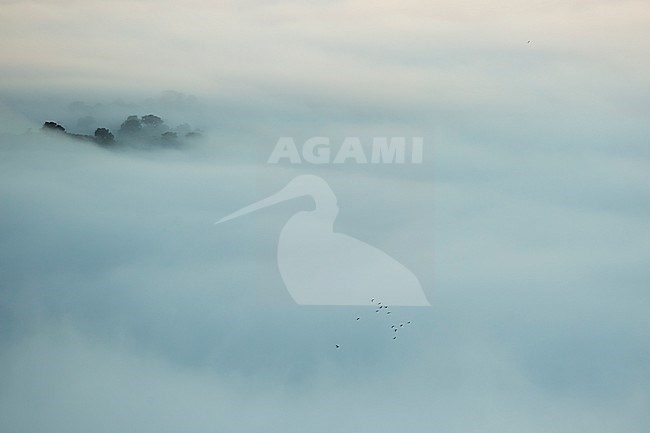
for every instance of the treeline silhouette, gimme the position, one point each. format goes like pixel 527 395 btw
pixel 137 131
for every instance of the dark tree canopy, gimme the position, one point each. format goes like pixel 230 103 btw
pixel 147 131
pixel 169 137
pixel 52 127
pixel 152 120
pixel 104 137
pixel 132 125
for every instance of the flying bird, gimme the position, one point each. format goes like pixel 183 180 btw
pixel 322 267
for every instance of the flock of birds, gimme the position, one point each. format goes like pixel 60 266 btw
pixel 395 327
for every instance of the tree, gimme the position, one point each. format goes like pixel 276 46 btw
pixel 183 129
pixel 131 126
pixel 169 137
pixel 53 127
pixel 151 120
pixel 104 137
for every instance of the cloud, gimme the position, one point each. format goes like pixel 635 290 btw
pixel 122 295
pixel 123 307
pixel 456 53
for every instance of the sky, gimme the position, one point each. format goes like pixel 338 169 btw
pixel 123 307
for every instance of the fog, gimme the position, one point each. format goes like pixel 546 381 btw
pixel 123 307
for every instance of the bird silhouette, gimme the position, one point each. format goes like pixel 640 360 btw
pixel 323 267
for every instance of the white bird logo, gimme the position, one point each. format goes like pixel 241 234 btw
pixel 321 267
